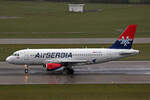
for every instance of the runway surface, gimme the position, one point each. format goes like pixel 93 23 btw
pixel 112 72
pixel 68 41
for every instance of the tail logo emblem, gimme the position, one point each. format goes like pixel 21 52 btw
pixel 125 41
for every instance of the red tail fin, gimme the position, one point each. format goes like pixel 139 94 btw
pixel 129 31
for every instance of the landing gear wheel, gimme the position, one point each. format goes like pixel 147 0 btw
pixel 26 70
pixel 68 71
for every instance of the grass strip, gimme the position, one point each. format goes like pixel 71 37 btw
pixel 28 17
pixel 76 92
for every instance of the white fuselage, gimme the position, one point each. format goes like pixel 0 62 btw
pixel 89 55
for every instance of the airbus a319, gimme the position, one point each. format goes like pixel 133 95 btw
pixel 65 59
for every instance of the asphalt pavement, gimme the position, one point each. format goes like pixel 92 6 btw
pixel 114 72
pixel 69 41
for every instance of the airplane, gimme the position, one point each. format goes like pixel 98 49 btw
pixel 66 59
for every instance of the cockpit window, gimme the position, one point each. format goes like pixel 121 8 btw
pixel 15 54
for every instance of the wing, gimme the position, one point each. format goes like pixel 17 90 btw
pixel 65 61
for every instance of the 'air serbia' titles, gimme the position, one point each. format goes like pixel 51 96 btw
pixel 54 55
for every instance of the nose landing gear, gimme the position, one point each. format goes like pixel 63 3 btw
pixel 26 69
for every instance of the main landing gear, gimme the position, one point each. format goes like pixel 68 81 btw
pixel 68 71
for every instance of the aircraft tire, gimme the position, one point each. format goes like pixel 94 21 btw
pixel 26 70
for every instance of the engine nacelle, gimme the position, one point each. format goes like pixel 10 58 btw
pixel 53 66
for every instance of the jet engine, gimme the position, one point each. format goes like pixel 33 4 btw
pixel 53 66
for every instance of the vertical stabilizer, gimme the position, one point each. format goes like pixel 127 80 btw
pixel 125 40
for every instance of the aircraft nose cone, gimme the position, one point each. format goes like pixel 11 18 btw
pixel 8 59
